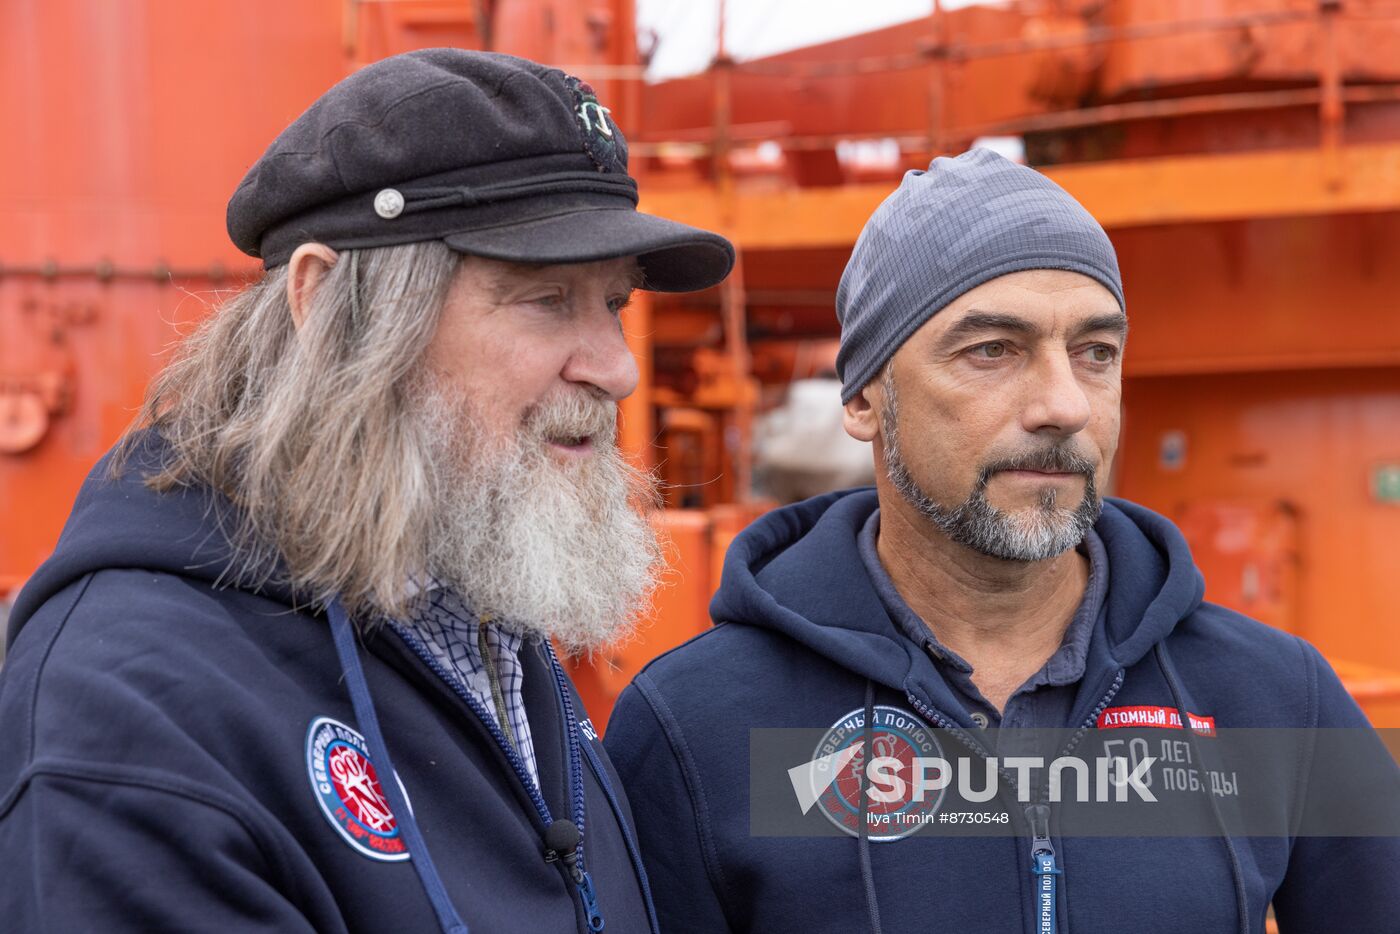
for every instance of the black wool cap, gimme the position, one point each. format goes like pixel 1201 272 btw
pixel 494 155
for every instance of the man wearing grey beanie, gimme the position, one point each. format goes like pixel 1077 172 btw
pixel 882 653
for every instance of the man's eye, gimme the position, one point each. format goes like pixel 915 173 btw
pixel 548 301
pixel 617 304
pixel 1102 353
pixel 990 351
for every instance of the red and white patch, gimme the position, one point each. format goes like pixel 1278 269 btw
pixel 832 780
pixel 1152 716
pixel 348 789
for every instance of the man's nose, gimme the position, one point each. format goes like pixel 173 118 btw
pixel 602 359
pixel 1056 402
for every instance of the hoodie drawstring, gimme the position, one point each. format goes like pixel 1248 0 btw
pixel 368 722
pixel 867 873
pixel 1237 874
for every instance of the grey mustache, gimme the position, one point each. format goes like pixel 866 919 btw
pixel 574 418
pixel 1049 460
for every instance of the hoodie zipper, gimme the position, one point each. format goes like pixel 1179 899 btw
pixel 1043 868
pixel 581 878
pixel 1044 865
pixel 578 874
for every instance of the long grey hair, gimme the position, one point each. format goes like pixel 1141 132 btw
pixel 304 431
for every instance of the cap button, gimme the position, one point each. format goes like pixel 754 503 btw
pixel 388 204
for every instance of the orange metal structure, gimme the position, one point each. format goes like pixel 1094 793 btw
pixel 1244 155
pixel 124 137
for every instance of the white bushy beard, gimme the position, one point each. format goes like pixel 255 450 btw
pixel 557 550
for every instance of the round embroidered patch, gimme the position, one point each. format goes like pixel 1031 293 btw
pixel 898 738
pixel 348 790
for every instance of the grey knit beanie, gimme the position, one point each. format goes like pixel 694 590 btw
pixel 945 231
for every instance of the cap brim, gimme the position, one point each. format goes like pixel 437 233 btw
pixel 674 257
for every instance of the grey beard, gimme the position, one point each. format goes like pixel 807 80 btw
pixel 558 551
pixel 1047 530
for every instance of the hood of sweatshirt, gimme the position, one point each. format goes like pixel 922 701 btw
pixel 180 532
pixel 798 571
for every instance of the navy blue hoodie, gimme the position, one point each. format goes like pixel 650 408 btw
pixel 802 636
pixel 177 754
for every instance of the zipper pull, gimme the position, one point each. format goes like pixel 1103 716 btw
pixel 590 902
pixel 1043 868
pixel 1039 817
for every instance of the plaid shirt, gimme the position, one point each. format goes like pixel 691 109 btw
pixel 454 635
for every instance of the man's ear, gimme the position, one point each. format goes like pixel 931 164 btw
pixel 308 266
pixel 861 416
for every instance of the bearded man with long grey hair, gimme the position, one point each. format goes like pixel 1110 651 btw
pixel 265 414
pixel 358 509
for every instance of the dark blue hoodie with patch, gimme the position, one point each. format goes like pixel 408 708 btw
pixel 179 754
pixel 802 640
